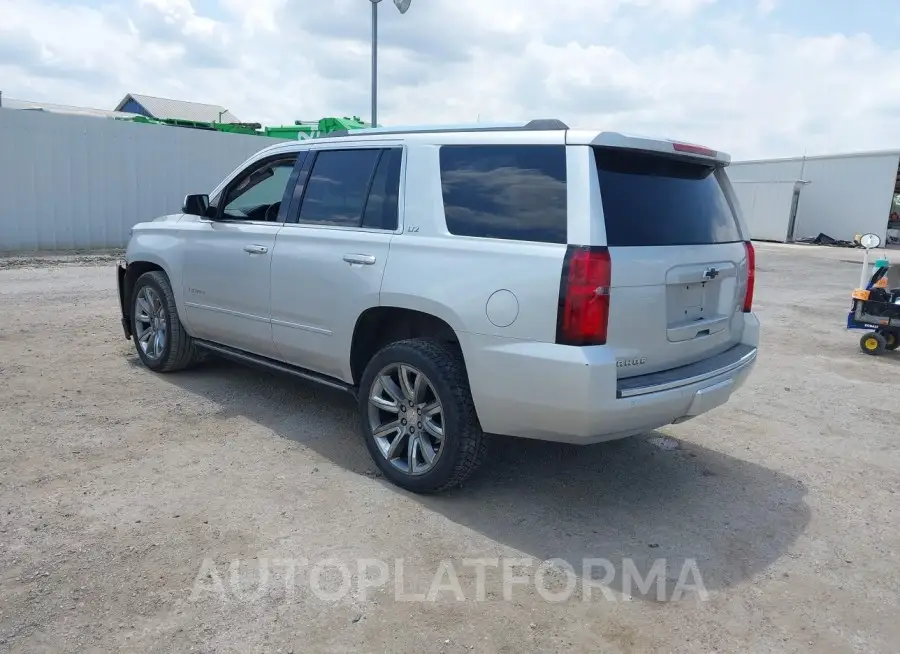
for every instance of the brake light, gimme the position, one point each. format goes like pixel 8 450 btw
pixel 583 316
pixel 694 149
pixel 751 276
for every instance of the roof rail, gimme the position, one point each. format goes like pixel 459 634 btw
pixel 536 125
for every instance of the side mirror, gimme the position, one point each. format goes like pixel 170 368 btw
pixel 196 205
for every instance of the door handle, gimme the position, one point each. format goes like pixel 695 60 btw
pixel 256 249
pixel 364 259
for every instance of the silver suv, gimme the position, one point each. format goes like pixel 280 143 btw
pixel 529 280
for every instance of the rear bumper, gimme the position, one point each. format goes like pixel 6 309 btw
pixel 121 271
pixel 734 360
pixel 572 395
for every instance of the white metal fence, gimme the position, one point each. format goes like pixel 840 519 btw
pixel 73 182
pixel 767 207
pixel 847 194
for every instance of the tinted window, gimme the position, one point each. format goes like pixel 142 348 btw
pixel 255 192
pixel 654 200
pixel 513 192
pixel 337 186
pixel 381 207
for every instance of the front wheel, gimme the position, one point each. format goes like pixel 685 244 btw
pixel 891 341
pixel 873 343
pixel 417 416
pixel 159 337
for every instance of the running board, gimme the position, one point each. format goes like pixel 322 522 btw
pixel 270 364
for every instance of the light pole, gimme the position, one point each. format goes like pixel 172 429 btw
pixel 403 7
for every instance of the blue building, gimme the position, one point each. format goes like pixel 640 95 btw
pixel 166 109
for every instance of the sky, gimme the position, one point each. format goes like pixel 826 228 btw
pixel 755 78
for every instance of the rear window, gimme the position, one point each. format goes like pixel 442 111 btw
pixel 515 192
pixel 654 200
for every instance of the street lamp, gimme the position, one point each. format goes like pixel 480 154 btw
pixel 403 7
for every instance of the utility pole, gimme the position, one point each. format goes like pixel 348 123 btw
pixel 402 7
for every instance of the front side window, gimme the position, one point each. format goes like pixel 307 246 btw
pixel 257 195
pixel 515 192
pixel 338 186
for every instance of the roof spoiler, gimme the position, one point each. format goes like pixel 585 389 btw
pixel 663 146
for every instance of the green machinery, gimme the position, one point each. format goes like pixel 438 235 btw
pixel 301 129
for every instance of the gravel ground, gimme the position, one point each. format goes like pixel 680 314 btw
pixel 141 512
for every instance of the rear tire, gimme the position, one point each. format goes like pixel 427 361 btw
pixel 892 341
pixel 159 337
pixel 434 400
pixel 873 343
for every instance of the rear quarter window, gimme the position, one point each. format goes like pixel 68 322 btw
pixel 654 200
pixel 514 192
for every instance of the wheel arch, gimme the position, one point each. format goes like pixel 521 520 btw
pixel 133 272
pixel 380 325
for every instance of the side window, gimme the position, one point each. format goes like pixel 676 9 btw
pixel 257 194
pixel 515 192
pixel 337 187
pixel 382 204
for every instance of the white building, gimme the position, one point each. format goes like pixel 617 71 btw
pixel 837 195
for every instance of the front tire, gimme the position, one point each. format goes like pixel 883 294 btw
pixel 873 343
pixel 418 418
pixel 159 337
pixel 892 341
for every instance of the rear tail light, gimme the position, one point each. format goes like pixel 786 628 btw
pixel 583 317
pixel 751 276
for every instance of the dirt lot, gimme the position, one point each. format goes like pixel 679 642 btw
pixel 125 497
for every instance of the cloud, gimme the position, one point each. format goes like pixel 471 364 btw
pixel 181 36
pixel 736 75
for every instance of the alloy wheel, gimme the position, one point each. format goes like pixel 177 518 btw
pixel 406 418
pixel 150 323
